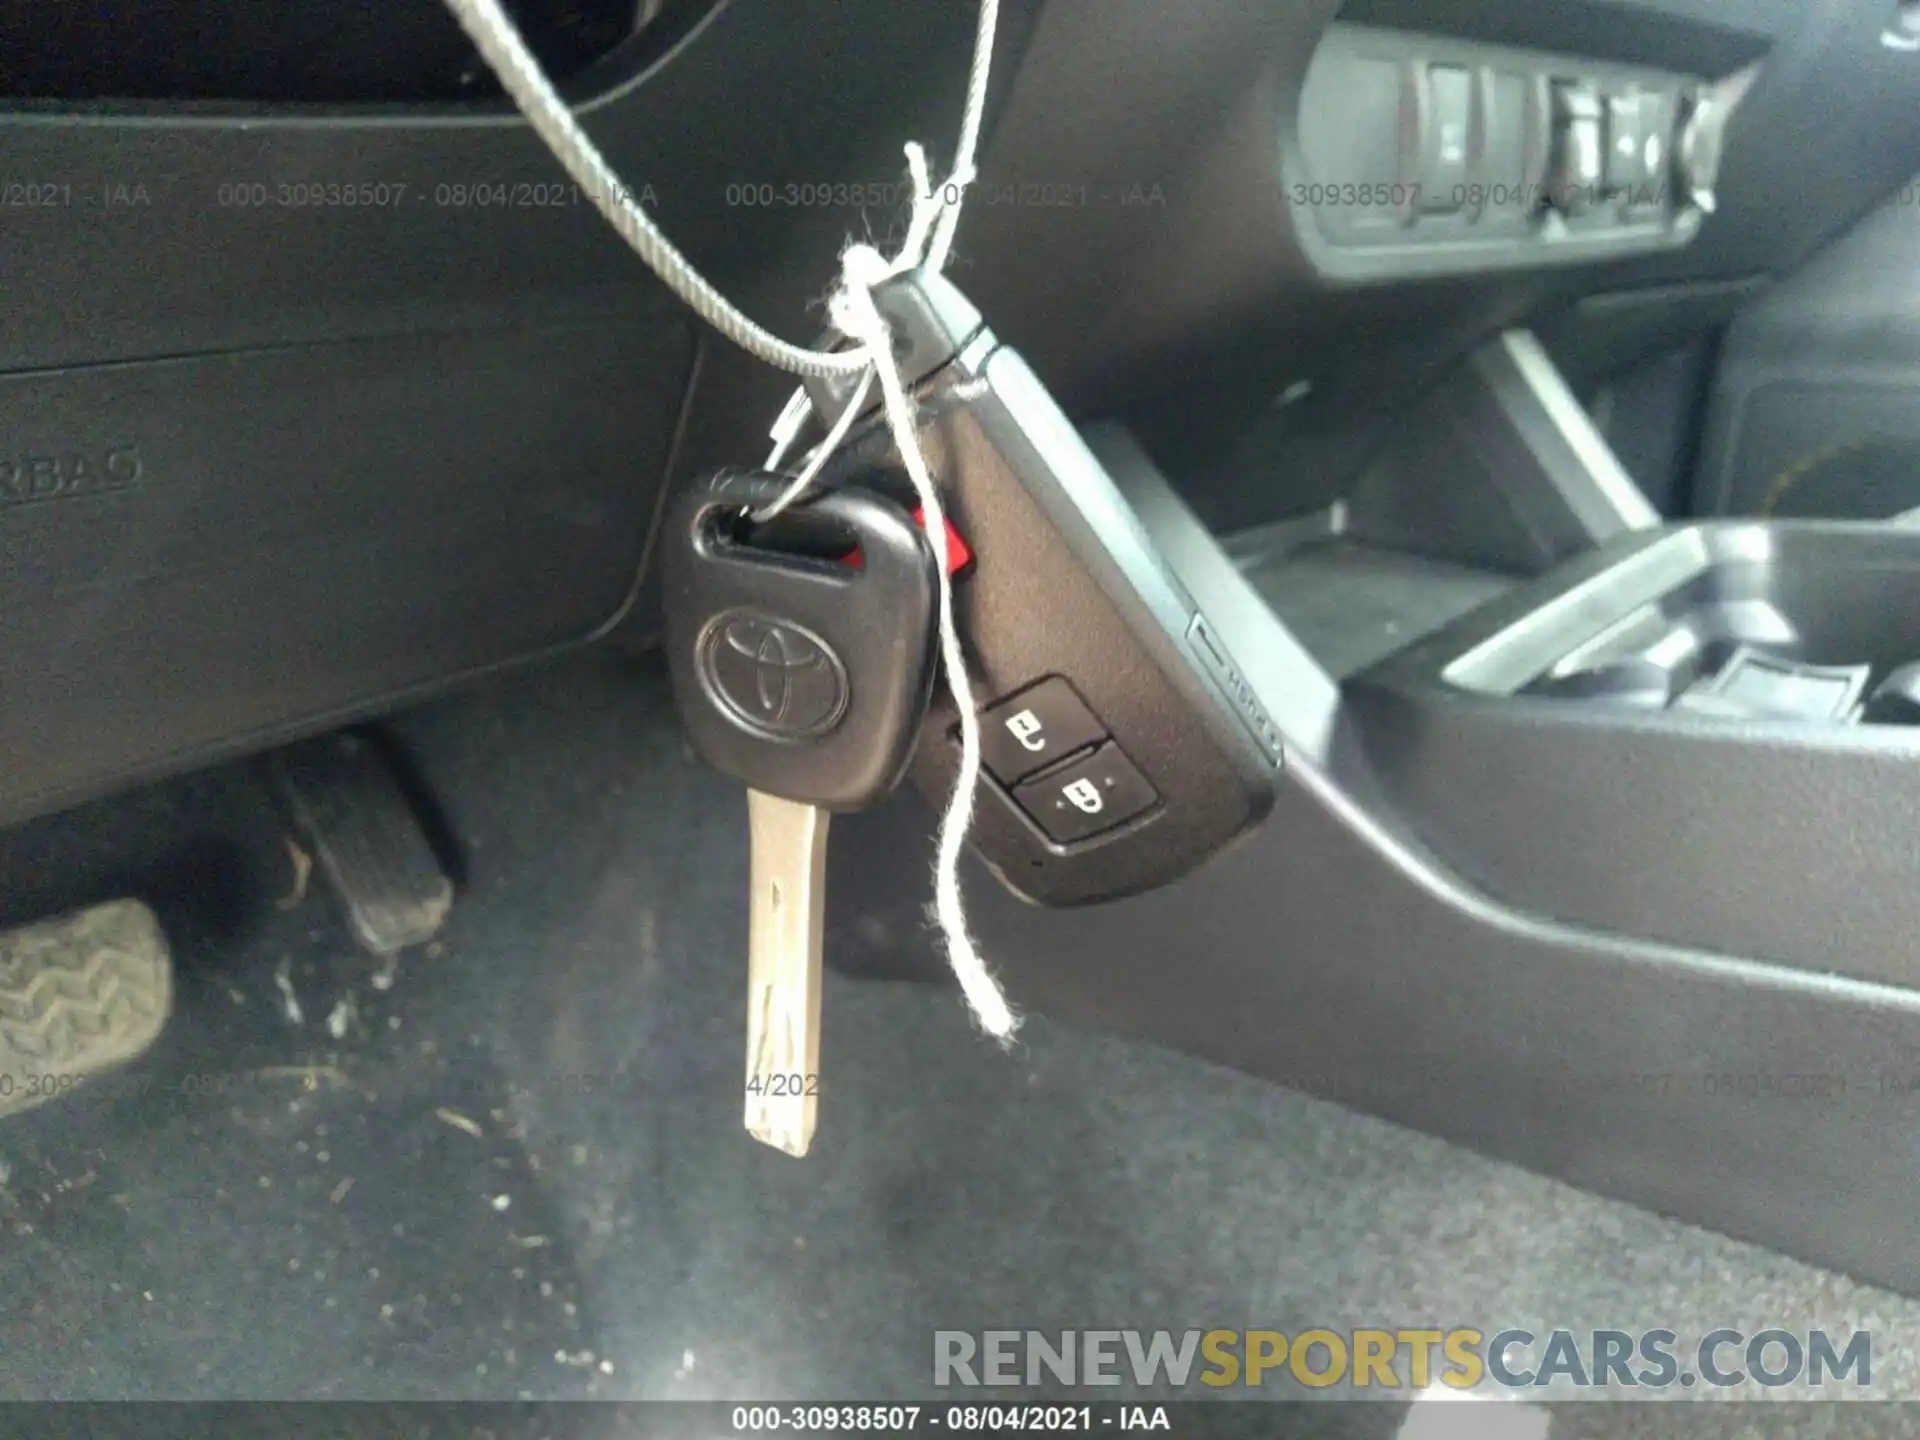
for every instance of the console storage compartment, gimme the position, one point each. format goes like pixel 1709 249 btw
pixel 1701 710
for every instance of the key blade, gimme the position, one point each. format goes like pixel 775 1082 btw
pixel 787 911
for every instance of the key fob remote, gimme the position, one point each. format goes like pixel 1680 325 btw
pixel 1122 746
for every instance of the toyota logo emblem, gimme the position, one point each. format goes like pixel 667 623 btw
pixel 771 677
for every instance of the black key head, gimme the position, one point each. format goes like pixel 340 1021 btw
pixel 802 650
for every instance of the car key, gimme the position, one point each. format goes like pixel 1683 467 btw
pixel 787 858
pixel 806 679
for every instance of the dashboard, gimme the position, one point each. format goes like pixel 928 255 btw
pixel 1799 115
pixel 1423 156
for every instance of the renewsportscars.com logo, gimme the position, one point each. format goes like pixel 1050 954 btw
pixel 1374 1360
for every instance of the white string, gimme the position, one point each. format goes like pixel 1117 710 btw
pixel 929 241
pixel 854 311
pixel 855 315
pixel 971 120
pixel 930 209
pixel 927 206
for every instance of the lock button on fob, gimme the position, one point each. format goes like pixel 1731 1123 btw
pixel 1087 796
pixel 1042 724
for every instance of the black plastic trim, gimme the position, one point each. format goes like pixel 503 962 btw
pixel 1336 953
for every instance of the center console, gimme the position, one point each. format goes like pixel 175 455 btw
pixel 1701 734
pixel 1595 843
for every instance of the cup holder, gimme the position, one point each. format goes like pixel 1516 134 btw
pixel 1813 624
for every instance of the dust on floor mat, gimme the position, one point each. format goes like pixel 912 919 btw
pixel 512 1165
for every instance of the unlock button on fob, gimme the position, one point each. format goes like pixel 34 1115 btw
pixel 1042 724
pixel 1090 795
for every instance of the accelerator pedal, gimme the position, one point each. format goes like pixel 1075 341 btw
pixel 351 808
pixel 79 996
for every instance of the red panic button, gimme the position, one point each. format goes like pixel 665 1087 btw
pixel 959 553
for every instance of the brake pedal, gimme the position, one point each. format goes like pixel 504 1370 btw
pixel 368 840
pixel 79 996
